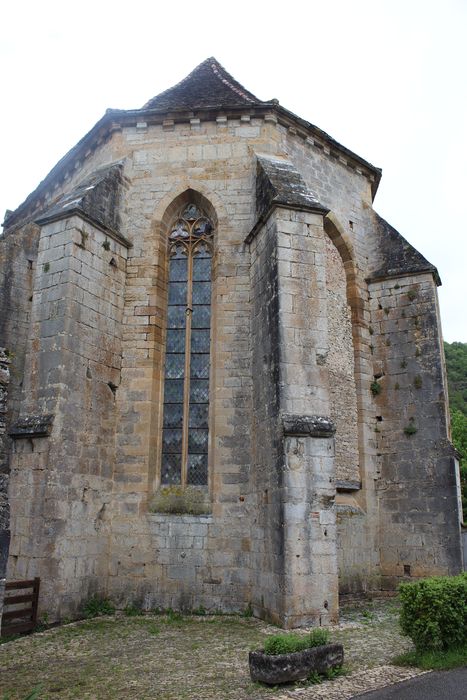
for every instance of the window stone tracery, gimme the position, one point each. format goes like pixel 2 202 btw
pixel 185 437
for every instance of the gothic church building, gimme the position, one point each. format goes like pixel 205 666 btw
pixel 226 377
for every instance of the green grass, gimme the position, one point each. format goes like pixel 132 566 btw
pixel 433 660
pixel 292 642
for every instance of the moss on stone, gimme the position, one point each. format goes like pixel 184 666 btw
pixel 179 499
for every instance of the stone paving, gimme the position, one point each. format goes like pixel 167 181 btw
pixel 171 657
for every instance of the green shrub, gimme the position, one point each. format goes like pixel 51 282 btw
pixel 434 612
pixel 291 642
pixel 95 606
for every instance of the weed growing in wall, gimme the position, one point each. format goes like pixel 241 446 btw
pixel 410 429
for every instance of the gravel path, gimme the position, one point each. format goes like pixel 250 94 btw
pixel 190 658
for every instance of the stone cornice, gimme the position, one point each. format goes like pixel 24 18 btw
pixel 116 119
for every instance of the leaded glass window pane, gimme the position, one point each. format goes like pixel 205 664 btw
pixel 175 341
pixel 200 341
pixel 172 440
pixel 177 292
pixel 176 317
pixel 201 292
pixel 201 269
pixel 171 469
pixel 199 391
pixel 186 386
pixel 199 415
pixel 173 415
pixel 201 317
pixel 199 366
pixel 178 271
pixel 174 366
pixel 197 469
pixel 173 391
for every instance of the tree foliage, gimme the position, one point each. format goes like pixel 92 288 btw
pixel 456 366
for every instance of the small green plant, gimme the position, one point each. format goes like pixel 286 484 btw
pixel 411 294
pixel 132 610
pixel 397 386
pixel 336 672
pixel 314 678
pixel 368 616
pixel 418 352
pixel 375 388
pixel 46 267
pixel 417 382
pixel 96 606
pixel 404 364
pixel 248 612
pixel 387 310
pixel 288 643
pixel 397 286
pixel 410 428
pixel 43 623
pixel 106 244
pixel 173 616
pixel 201 610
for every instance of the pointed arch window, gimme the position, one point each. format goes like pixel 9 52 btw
pixel 185 435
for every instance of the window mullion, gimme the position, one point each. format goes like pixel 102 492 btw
pixel 186 389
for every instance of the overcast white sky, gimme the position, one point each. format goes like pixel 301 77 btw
pixel 386 78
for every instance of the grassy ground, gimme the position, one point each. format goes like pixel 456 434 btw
pixel 170 657
pixel 433 660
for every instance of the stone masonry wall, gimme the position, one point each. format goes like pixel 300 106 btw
pixel 194 560
pixel 310 580
pixel 419 514
pixel 4 474
pixel 268 546
pixel 82 496
pixel 18 254
pixel 341 367
pixel 61 485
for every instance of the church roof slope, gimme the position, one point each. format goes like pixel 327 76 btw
pixel 397 256
pixel 208 85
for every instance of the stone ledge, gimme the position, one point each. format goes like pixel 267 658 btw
pixel 307 426
pixel 348 485
pixel 180 518
pixel 32 426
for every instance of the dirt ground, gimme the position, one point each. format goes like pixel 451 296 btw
pixel 172 657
